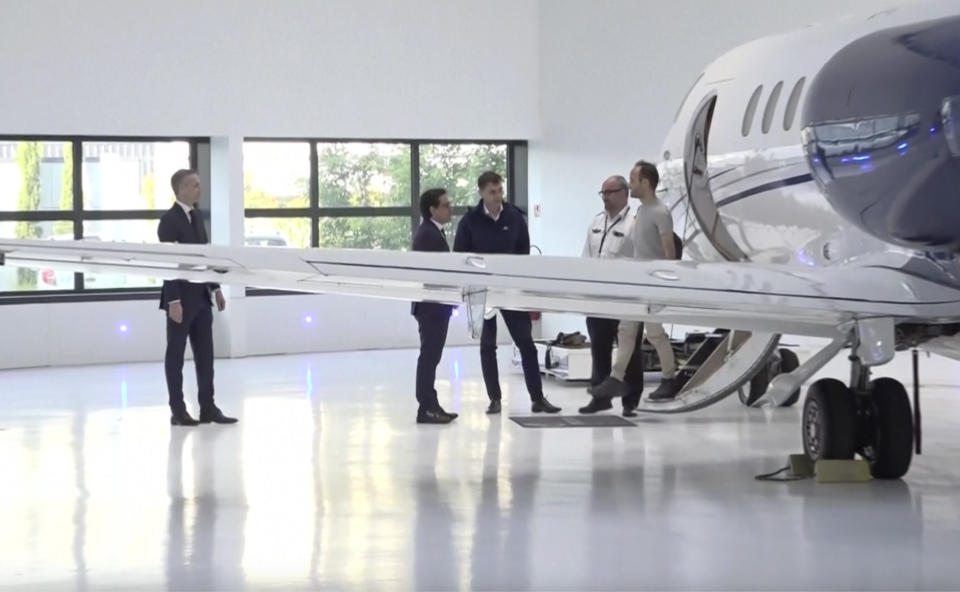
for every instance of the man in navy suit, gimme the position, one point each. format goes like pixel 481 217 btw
pixel 189 308
pixel 433 318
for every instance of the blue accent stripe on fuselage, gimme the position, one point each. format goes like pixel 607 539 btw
pixel 788 182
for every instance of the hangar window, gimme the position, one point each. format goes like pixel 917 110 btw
pixel 363 194
pixel 85 188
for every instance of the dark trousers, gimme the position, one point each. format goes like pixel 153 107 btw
pixel 197 326
pixel 521 331
pixel 603 334
pixel 433 321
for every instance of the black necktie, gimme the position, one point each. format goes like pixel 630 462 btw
pixel 197 224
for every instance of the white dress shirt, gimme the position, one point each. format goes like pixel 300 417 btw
pixel 187 208
pixel 609 238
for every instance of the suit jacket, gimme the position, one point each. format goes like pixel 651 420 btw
pixel 430 238
pixel 175 227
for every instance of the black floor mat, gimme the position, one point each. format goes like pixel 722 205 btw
pixel 574 421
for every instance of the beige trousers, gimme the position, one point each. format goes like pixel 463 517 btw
pixel 658 338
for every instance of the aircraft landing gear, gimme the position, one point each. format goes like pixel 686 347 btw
pixel 887 429
pixel 783 361
pixel 829 421
pixel 872 418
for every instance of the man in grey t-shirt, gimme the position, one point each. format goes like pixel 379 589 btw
pixel 652 236
pixel 652 232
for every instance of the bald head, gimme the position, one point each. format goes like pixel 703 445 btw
pixel 615 191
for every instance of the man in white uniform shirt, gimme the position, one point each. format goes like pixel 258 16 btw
pixel 608 237
pixel 652 239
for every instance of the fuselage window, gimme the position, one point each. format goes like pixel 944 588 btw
pixel 751 111
pixel 792 103
pixel 771 107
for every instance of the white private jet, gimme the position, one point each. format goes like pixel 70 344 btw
pixel 812 175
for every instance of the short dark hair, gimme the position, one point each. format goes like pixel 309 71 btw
pixel 487 178
pixel 649 172
pixel 430 199
pixel 178 178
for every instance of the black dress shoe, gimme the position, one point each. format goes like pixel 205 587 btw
pixel 542 405
pixel 433 416
pixel 216 416
pixel 629 411
pixel 182 418
pixel 494 407
pixel 596 405
pixel 443 411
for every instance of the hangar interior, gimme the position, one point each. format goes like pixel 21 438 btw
pixel 316 124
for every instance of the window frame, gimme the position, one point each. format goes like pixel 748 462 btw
pixel 516 189
pixel 77 215
pixel 199 147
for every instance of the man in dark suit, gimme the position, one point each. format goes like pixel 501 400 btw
pixel 433 318
pixel 189 308
pixel 495 226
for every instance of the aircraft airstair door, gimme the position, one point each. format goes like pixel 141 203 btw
pixel 727 361
pixel 722 364
pixel 697 178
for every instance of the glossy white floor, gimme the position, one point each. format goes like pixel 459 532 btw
pixel 328 483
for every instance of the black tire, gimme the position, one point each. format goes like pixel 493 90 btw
pixel 829 421
pixel 788 363
pixel 891 448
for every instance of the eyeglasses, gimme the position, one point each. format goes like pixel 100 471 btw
pixel 605 192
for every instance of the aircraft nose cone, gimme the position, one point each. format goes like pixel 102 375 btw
pixel 882 133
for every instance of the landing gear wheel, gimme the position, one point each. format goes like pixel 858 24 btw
pixel 829 421
pixel 784 362
pixel 889 445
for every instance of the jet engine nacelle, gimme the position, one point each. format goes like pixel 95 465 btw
pixel 882 133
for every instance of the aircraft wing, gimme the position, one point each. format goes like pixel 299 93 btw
pixel 745 296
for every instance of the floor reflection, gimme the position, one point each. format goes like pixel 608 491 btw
pixel 434 563
pixel 327 483
pixel 205 536
pixel 80 505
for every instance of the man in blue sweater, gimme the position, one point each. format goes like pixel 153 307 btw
pixel 496 227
